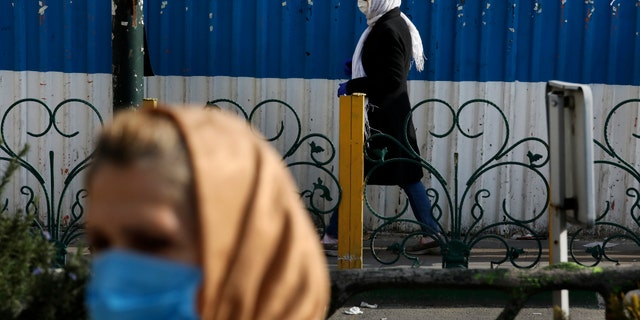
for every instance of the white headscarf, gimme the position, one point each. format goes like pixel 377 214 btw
pixel 377 8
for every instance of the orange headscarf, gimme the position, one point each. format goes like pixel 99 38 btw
pixel 261 257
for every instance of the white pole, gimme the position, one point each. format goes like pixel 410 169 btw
pixel 559 248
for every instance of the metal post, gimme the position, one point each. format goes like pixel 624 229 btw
pixel 352 181
pixel 558 245
pixel 559 248
pixel 127 53
pixel 149 103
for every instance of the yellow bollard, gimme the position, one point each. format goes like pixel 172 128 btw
pixel 149 103
pixel 351 178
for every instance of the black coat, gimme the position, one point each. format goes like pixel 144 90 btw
pixel 386 59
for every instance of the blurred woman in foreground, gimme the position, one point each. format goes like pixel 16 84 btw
pixel 191 215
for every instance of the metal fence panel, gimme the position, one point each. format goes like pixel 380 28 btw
pixel 249 52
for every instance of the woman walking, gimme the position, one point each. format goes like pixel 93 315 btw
pixel 380 68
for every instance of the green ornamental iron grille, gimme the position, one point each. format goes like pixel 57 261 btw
pixel 62 225
pixel 605 226
pixel 313 153
pixel 458 240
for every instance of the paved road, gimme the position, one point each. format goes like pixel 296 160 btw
pixel 394 307
pixel 479 313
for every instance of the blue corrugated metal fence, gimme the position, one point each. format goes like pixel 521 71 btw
pixel 591 41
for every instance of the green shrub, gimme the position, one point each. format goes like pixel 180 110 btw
pixel 30 285
pixel 30 288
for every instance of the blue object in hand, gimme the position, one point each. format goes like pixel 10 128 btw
pixel 342 89
pixel 347 68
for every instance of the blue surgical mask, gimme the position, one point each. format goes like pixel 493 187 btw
pixel 126 285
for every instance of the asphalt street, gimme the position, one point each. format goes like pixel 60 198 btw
pixel 479 313
pixel 400 305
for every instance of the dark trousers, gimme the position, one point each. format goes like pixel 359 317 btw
pixel 420 205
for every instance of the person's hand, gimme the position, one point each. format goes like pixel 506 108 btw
pixel 347 68
pixel 342 89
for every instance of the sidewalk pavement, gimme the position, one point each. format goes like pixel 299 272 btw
pixel 466 304
pixel 490 250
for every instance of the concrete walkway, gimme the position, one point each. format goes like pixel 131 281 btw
pixel 488 251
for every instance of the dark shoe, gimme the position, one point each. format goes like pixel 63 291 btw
pixel 423 248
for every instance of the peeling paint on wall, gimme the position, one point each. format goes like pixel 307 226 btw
pixel 537 8
pixel 163 5
pixel 43 8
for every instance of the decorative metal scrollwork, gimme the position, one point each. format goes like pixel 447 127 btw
pixel 312 153
pixel 466 227
pixel 63 225
pixel 605 226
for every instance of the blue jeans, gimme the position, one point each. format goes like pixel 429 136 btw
pixel 420 205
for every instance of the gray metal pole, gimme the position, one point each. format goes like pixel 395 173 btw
pixel 127 54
